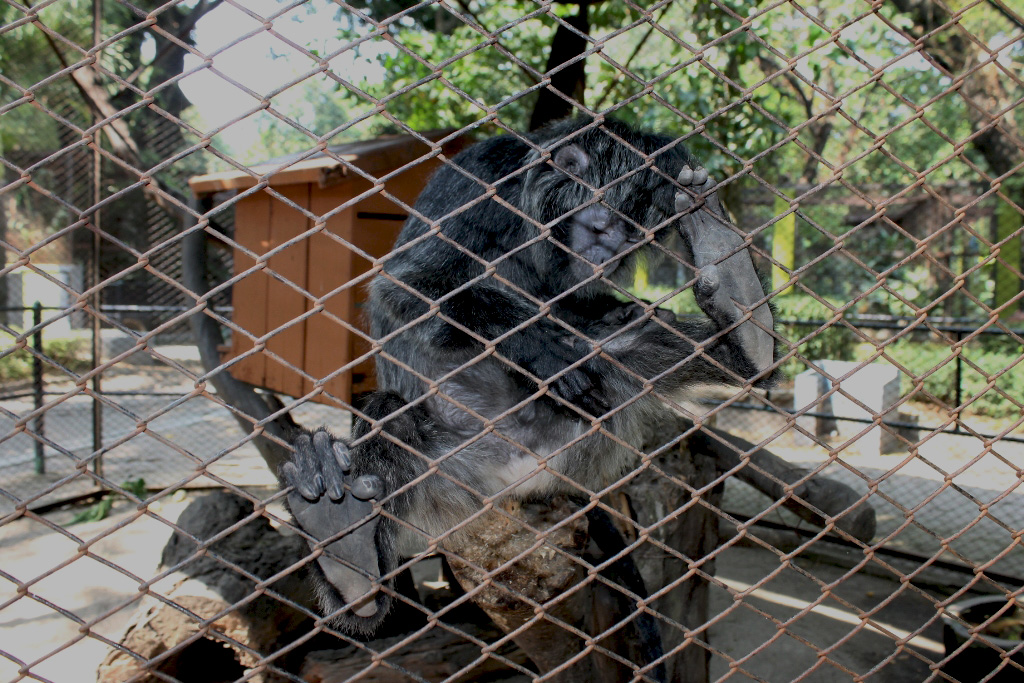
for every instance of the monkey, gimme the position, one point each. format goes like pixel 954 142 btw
pixel 502 343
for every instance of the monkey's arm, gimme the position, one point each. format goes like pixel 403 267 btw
pixel 727 286
pixel 734 343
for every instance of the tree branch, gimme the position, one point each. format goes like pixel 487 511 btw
pixel 197 13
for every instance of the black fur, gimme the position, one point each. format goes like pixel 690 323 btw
pixel 502 342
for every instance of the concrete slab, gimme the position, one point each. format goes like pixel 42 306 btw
pixel 782 621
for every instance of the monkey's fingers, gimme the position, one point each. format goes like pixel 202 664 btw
pixel 291 476
pixel 303 471
pixel 326 449
pixel 583 389
pixel 692 176
pixel 702 186
pixel 572 384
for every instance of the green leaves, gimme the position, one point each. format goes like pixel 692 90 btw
pixel 100 510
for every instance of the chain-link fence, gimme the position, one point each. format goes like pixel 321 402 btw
pixel 655 341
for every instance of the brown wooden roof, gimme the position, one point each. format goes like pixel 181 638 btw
pixel 324 168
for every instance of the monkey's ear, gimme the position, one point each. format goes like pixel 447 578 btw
pixel 572 159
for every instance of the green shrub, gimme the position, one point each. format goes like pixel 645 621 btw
pixel 15 365
pixel 71 352
pixel 835 342
pixel 922 357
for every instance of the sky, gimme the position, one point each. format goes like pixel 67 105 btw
pixel 262 62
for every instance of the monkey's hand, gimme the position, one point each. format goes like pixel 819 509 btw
pixel 727 285
pixel 335 509
pixel 581 385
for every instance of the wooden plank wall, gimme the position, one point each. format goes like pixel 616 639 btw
pixel 252 220
pixel 330 273
pixel 286 301
pixel 319 268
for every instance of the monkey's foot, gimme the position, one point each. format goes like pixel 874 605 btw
pixel 727 285
pixel 334 508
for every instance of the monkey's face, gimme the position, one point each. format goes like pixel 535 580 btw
pixel 598 235
pixel 599 201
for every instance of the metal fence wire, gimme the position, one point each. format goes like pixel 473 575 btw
pixel 549 458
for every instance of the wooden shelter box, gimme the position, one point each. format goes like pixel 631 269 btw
pixel 298 311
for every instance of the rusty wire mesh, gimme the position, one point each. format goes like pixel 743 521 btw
pixel 871 152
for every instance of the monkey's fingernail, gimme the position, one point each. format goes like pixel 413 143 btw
pixel 685 176
pixel 367 486
pixel 292 477
pixel 319 484
pixel 321 441
pixel 700 176
pixel 336 492
pixel 306 491
pixel 341 455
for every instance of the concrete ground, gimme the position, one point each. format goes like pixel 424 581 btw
pixel 64 591
pixel 795 624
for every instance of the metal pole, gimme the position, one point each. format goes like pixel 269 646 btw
pixel 97 351
pixel 959 379
pixel 38 423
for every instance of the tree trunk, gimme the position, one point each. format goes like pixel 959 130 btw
pixel 682 530
pixel 569 81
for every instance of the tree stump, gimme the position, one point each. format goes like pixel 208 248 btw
pixel 532 571
pixel 681 530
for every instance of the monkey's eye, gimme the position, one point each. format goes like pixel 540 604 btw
pixel 572 159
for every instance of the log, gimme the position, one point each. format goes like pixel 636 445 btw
pixel 207 628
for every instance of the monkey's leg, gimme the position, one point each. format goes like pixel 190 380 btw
pixel 335 509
